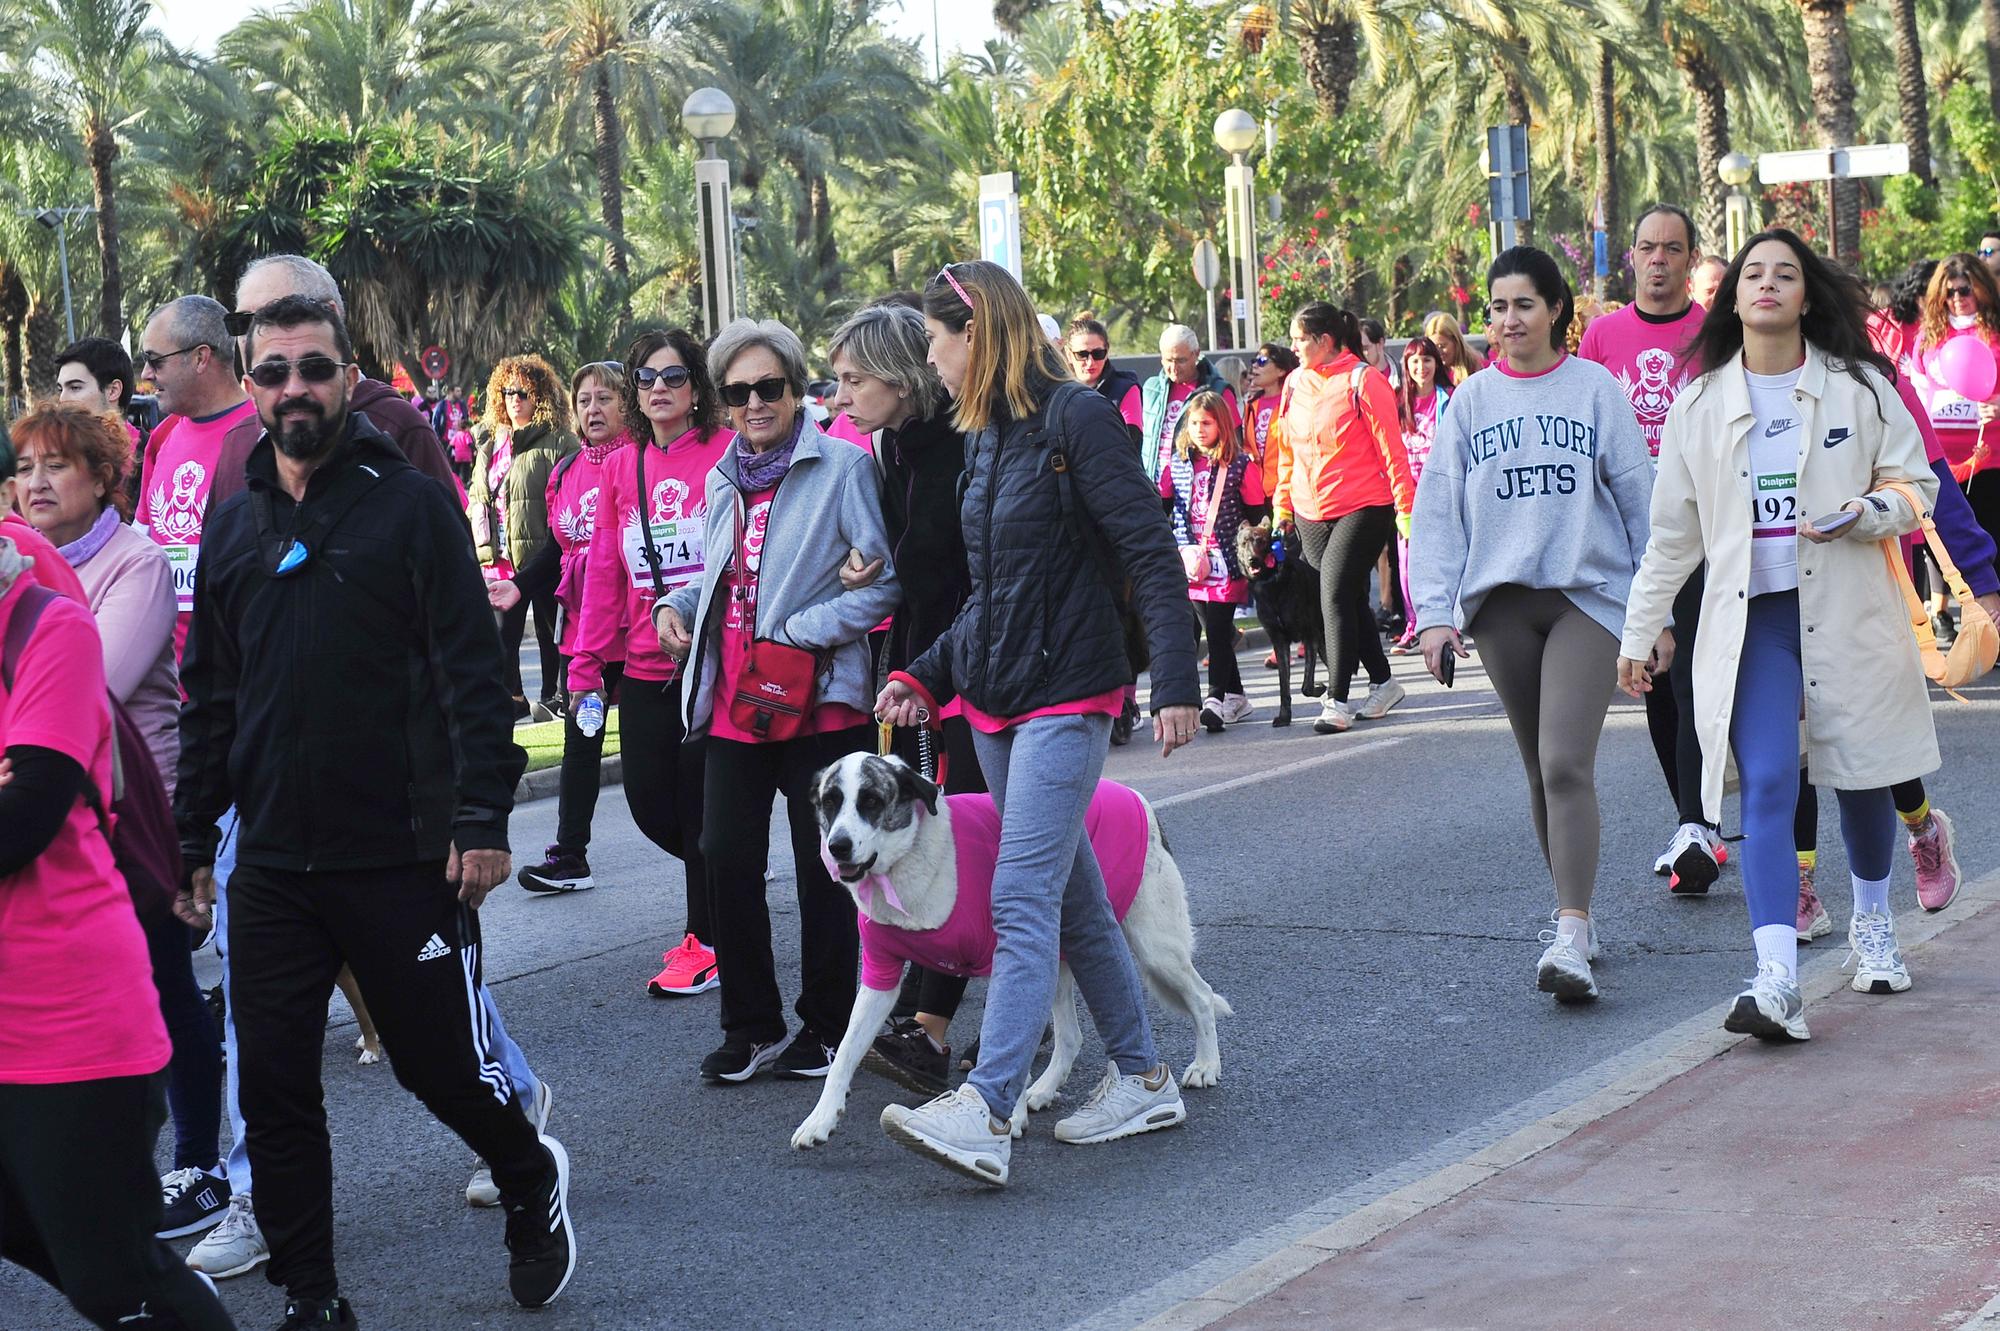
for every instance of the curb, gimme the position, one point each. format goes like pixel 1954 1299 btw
pixel 545 783
pixel 1254 1278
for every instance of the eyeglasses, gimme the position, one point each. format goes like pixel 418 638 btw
pixel 769 391
pixel 673 376
pixel 944 275
pixel 153 360
pixel 518 392
pixel 311 369
pixel 1959 293
pixel 237 322
pixel 1089 353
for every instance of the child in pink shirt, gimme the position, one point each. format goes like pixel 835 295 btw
pixel 1212 484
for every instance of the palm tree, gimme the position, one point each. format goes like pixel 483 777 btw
pixel 1830 63
pixel 97 55
pixel 1011 16
pixel 1330 34
pixel 1912 97
pixel 13 350
pixel 607 60
pixel 1989 14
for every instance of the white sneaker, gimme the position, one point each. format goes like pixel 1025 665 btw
pixel 1334 718
pixel 1380 699
pixel 1236 707
pixel 1124 1105
pixel 1871 940
pixel 1665 864
pixel 481 1190
pixel 1771 1008
pixel 958 1131
pixel 1693 861
pixel 234 1247
pixel 1564 969
pixel 1211 715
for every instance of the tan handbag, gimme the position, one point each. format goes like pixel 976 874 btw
pixel 1978 642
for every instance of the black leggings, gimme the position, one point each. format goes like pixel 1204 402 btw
pixel 663 785
pixel 79 1201
pixel 1908 796
pixel 1670 710
pixel 514 626
pixel 929 991
pixel 1343 552
pixel 582 771
pixel 1217 619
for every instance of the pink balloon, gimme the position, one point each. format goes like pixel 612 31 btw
pixel 1967 367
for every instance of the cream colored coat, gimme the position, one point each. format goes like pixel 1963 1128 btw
pixel 1867 706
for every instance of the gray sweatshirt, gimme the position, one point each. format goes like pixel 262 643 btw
pixel 1539 482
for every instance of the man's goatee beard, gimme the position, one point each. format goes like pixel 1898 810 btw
pixel 304 442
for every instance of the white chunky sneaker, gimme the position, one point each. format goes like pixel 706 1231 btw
pixel 1334 718
pixel 233 1247
pixel 1879 969
pixel 1380 699
pixel 1211 716
pixel 1236 707
pixel 1123 1105
pixel 958 1131
pixel 1771 1008
pixel 1564 969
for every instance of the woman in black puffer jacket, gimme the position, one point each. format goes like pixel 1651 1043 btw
pixel 1059 519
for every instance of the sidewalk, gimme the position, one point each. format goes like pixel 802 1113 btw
pixel 1850 1182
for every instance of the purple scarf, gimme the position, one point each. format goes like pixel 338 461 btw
pixel 79 551
pixel 761 471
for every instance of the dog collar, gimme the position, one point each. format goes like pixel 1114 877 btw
pixel 866 888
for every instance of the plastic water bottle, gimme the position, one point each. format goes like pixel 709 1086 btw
pixel 590 715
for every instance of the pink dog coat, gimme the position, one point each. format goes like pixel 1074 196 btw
pixel 964 943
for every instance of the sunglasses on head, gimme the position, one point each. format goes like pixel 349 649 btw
pixel 770 391
pixel 1089 353
pixel 674 376
pixel 237 322
pixel 1959 293
pixel 311 369
pixel 944 275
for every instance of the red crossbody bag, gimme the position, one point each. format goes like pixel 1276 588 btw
pixel 774 691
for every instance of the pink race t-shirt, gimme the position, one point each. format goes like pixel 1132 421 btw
pixel 1648 357
pixel 739 627
pixel 1955 419
pixel 76 986
pixel 963 944
pixel 174 507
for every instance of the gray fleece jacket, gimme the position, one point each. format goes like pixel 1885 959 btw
pixel 829 502
pixel 1539 482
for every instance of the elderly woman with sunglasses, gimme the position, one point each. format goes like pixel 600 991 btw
pixel 523 434
pixel 663 482
pixel 779 681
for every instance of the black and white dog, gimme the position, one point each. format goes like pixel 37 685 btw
pixel 1285 593
pixel 889 838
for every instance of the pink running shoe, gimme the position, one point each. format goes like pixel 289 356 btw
pixel 1813 919
pixel 1937 862
pixel 690 969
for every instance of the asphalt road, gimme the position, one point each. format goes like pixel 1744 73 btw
pixel 1368 903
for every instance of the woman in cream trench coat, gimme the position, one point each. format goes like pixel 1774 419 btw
pixel 1849 663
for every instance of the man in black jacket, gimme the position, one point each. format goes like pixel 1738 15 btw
pixel 342 676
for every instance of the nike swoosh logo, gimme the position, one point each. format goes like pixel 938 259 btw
pixel 1836 436
pixel 1776 428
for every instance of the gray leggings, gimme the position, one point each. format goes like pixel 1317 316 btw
pixel 1049 906
pixel 1554 668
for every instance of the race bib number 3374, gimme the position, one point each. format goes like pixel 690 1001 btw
pixel 679 546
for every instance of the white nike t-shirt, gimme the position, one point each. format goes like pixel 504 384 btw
pixel 1774 483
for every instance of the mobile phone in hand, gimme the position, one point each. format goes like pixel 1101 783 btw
pixel 1447 666
pixel 1834 523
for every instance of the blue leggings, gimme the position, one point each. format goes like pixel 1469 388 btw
pixel 1764 734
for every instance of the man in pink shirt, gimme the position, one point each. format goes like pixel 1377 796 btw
pixel 187 351
pixel 1645 346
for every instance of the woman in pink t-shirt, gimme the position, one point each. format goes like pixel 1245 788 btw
pixel 1962 302
pixel 81 1037
pixel 1420 399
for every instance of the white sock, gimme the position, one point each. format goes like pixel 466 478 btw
pixel 1574 929
pixel 1779 943
pixel 1871 896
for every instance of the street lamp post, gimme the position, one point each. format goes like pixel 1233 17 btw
pixel 57 220
pixel 1236 134
pixel 709 115
pixel 1734 169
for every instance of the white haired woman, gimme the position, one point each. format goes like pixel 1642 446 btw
pixel 779 680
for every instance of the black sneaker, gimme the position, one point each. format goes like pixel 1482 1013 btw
pixel 191 1200
pixel 557 707
pixel 318 1315
pixel 541 1246
pixel 559 871
pixel 806 1056
pixel 1121 725
pixel 905 1055
pixel 738 1060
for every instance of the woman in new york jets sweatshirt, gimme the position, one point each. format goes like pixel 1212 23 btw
pixel 1529 524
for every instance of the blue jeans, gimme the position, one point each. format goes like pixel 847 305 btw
pixel 511 1058
pixel 1049 905
pixel 1764 735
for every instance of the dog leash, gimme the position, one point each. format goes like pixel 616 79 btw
pixel 929 761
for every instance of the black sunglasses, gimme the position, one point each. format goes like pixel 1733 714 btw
pixel 1988 251
pixel 1959 293
pixel 237 322
pixel 770 391
pixel 517 392
pixel 674 376
pixel 1260 361
pixel 311 369
pixel 153 360
pixel 1089 353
